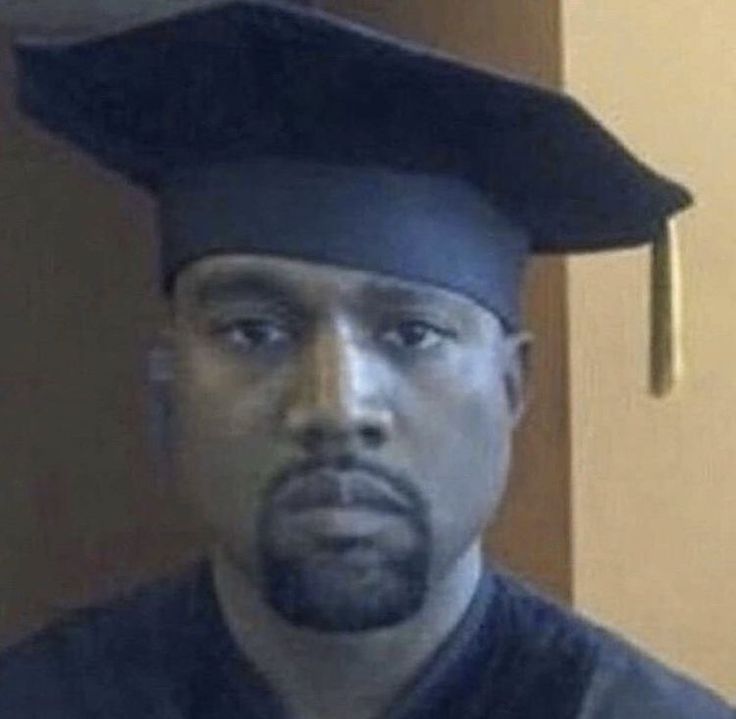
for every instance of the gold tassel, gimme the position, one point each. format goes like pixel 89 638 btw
pixel 666 357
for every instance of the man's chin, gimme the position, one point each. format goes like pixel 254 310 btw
pixel 352 593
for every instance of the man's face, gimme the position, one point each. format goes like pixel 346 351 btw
pixel 345 434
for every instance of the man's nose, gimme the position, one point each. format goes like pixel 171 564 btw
pixel 338 402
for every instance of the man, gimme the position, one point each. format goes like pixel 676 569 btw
pixel 344 223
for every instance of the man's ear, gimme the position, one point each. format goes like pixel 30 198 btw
pixel 518 346
pixel 160 390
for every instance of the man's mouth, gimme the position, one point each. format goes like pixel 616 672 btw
pixel 339 487
pixel 330 521
pixel 338 503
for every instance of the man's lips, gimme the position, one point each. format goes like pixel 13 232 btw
pixel 332 505
pixel 355 490
pixel 332 524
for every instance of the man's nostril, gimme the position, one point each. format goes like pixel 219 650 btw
pixel 373 436
pixel 314 437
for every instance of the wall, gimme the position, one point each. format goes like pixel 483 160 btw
pixel 81 514
pixel 654 493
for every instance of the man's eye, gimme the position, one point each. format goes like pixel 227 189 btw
pixel 416 334
pixel 253 334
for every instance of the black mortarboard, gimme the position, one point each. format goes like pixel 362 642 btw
pixel 285 120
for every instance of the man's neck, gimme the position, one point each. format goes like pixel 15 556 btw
pixel 316 675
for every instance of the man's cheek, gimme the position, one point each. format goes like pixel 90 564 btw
pixel 463 415
pixel 232 414
pixel 469 448
pixel 227 489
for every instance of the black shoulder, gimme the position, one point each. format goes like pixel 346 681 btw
pixel 544 657
pixel 601 675
pixel 629 684
pixel 33 682
pixel 116 655
pixel 545 628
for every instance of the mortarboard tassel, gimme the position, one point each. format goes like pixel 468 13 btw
pixel 666 360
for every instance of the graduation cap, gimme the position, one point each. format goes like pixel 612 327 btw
pixel 333 143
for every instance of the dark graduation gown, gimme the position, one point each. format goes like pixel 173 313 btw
pixel 165 653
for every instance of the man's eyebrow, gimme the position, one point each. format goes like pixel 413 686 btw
pixel 255 285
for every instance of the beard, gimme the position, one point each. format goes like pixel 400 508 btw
pixel 347 584
pixel 327 596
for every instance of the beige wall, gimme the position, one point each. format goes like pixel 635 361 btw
pixel 653 481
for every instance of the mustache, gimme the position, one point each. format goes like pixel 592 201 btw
pixel 344 481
